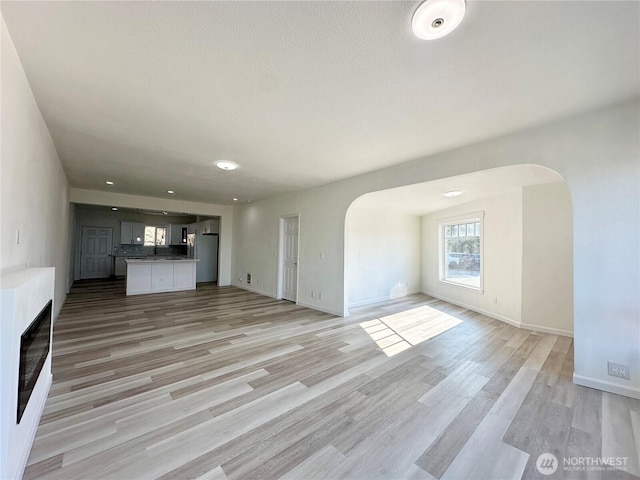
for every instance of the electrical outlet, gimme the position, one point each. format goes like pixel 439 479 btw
pixel 618 370
pixel 624 372
pixel 248 279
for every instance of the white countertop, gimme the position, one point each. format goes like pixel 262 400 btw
pixel 160 260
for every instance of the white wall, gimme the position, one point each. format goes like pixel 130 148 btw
pixel 596 152
pixel 259 255
pixel 92 197
pixel 501 257
pixel 547 258
pixel 34 205
pixel 34 189
pixel 382 254
pixel 321 239
pixel 603 170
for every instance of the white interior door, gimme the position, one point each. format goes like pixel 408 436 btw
pixel 95 255
pixel 290 259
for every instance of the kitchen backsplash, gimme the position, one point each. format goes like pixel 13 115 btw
pixel 142 251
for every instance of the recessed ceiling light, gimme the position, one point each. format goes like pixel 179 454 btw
pixel 109 182
pixel 171 192
pixel 452 193
pixel 437 18
pixel 226 165
pixel 114 208
pixel 235 199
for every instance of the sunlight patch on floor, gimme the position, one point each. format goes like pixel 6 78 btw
pixel 400 331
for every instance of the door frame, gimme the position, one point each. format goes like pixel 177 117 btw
pixel 280 283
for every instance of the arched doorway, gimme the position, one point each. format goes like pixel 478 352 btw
pixel 393 245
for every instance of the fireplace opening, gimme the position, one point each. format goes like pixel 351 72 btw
pixel 34 348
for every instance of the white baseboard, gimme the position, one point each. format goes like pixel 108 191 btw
pixel 320 309
pixel 510 321
pixel 552 331
pixel 598 384
pixel 381 299
pixel 255 290
pixel 302 304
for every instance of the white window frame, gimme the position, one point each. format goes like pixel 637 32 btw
pixel 156 226
pixel 444 222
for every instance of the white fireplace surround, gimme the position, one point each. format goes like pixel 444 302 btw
pixel 23 295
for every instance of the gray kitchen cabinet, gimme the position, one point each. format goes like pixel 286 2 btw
pixel 176 237
pixel 209 226
pixel 131 233
pixel 121 266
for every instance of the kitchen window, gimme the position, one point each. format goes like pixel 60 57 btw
pixel 460 252
pixel 155 236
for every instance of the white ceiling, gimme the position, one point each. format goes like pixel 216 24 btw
pixel 151 94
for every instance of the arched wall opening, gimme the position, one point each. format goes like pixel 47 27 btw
pixel 392 245
pixel 595 152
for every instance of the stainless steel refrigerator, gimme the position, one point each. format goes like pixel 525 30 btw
pixel 204 247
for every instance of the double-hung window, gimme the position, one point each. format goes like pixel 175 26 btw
pixel 460 254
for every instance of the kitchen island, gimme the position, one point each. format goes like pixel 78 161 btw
pixel 155 275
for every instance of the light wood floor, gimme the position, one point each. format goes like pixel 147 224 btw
pixel 220 383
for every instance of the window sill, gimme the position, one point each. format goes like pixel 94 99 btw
pixel 463 287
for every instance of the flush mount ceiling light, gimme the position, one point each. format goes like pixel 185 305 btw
pixel 226 165
pixel 437 18
pixel 114 208
pixel 170 192
pixel 109 182
pixel 452 193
